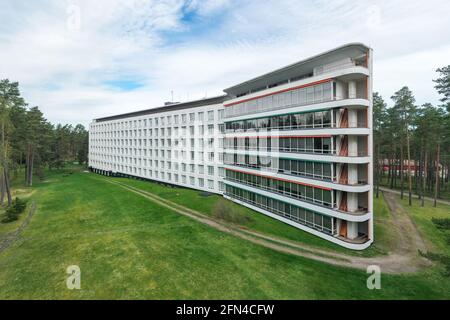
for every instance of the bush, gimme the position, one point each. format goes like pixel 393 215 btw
pixel 442 223
pixel 14 210
pixel 443 259
pixel 224 210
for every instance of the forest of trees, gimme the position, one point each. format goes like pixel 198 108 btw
pixel 415 135
pixel 30 143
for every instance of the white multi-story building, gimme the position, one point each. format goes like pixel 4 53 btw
pixel 176 144
pixel 294 144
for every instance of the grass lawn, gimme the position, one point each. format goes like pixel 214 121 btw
pixel 22 193
pixel 436 239
pixel 194 199
pixel 128 247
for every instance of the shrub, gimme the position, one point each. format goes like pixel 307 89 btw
pixel 443 259
pixel 442 223
pixel 14 210
pixel 224 210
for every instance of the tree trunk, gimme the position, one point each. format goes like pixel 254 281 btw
pixel 436 187
pixel 27 164
pixel 424 179
pixel 7 186
pixel 378 171
pixel 389 172
pixel 419 174
pixel 30 173
pixel 401 172
pixel 409 170
pixel 5 171
pixel 2 189
pixel 417 164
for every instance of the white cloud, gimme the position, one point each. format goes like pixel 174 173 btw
pixel 64 70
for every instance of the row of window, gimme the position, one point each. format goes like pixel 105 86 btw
pixel 302 96
pixel 300 215
pixel 171 178
pixel 298 191
pixel 95 135
pixel 175 156
pixel 320 119
pixel 158 121
pixel 115 145
pixel 191 168
pixel 321 145
pixel 315 170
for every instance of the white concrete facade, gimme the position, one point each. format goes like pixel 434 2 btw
pixel 312 120
pixel 178 145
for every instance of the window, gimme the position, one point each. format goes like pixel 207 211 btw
pixel 211 115
pixel 327 145
pixel 327 171
pixel 310 94
pixel 210 170
pixel 318 119
pixel 201 144
pixel 285 122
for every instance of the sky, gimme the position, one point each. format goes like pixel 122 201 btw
pixel 81 59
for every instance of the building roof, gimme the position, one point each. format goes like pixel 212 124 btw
pixel 170 107
pixel 299 68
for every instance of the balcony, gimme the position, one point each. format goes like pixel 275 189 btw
pixel 281 149
pixel 284 192
pixel 352 203
pixel 341 65
pixel 350 118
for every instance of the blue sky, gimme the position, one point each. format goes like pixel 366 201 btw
pixel 80 59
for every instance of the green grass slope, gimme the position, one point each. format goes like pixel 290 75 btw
pixel 130 248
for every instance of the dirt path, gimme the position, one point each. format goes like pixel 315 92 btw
pixel 7 240
pixel 404 257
